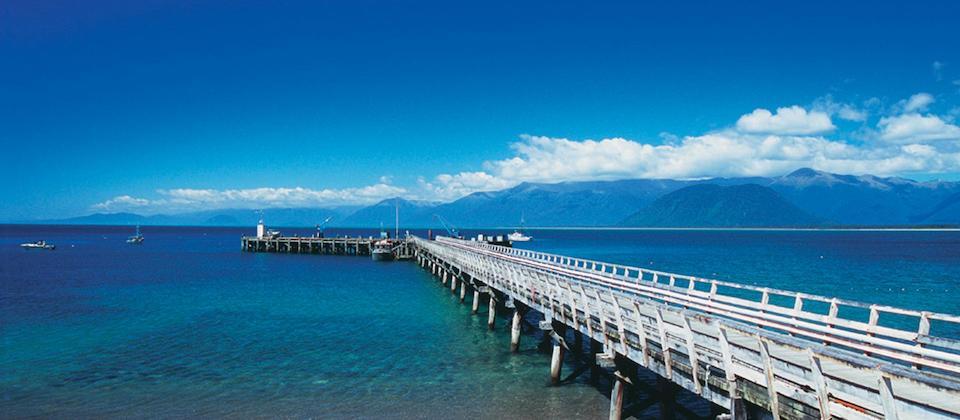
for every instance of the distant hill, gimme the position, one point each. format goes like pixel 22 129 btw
pixel 709 205
pixel 947 212
pixel 847 200
pixel 412 214
pixel 863 199
pixel 299 217
pixel 596 203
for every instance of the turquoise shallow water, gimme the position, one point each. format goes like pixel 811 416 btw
pixel 187 325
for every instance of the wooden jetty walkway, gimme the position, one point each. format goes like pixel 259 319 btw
pixel 338 245
pixel 759 352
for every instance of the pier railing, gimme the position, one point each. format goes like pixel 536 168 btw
pixel 826 363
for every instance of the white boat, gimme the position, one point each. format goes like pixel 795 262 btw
pixel 136 239
pixel 382 250
pixel 517 235
pixel 37 245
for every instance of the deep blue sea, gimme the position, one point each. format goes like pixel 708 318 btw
pixel 188 325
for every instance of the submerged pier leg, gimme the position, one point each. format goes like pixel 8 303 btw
pixel 476 301
pixel 558 334
pixel 616 396
pixel 492 312
pixel 515 330
pixel 556 361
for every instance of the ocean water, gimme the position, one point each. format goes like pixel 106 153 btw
pixel 188 325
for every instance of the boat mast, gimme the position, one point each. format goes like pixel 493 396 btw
pixel 396 221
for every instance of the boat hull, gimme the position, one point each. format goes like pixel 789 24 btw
pixel 381 255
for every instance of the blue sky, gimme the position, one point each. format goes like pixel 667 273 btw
pixel 161 106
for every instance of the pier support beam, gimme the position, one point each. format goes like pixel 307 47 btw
pixel 476 301
pixel 463 291
pixel 492 312
pixel 555 332
pixel 515 330
pixel 453 283
pixel 616 396
pixel 556 360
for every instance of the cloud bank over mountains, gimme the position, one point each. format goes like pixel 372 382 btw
pixel 905 139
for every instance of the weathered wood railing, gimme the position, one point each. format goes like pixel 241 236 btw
pixel 708 337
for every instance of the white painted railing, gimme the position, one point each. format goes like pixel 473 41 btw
pixel 917 347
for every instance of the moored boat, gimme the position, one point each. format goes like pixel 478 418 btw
pixel 517 235
pixel 382 250
pixel 38 245
pixel 136 239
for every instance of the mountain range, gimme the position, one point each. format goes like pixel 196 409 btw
pixel 805 197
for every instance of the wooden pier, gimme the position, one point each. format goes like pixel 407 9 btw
pixel 754 352
pixel 338 245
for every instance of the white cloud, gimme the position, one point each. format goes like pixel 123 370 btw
pixel 916 128
pixel 792 120
pixel 918 102
pixel 122 201
pixel 761 143
pixel 749 149
pixel 725 153
pixel 843 111
pixel 184 199
pixel 449 187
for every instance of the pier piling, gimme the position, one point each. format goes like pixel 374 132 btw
pixel 492 312
pixel 556 359
pixel 515 329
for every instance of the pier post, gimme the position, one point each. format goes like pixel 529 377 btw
pixel 616 397
pixel 515 329
pixel 624 369
pixel 595 348
pixel 453 283
pixel 492 311
pixel 556 359
pixel 463 291
pixel 476 301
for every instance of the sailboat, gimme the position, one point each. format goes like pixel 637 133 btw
pixel 136 239
pixel 517 235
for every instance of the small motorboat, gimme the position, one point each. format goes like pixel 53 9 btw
pixel 382 250
pixel 136 239
pixel 38 245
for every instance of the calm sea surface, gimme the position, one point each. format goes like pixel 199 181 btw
pixel 188 325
